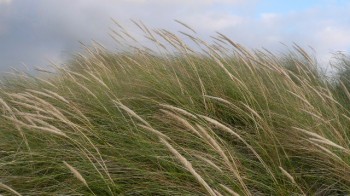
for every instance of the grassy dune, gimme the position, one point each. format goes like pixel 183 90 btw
pixel 215 120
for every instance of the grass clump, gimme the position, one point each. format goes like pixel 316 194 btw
pixel 213 119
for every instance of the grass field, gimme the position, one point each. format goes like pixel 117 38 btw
pixel 211 119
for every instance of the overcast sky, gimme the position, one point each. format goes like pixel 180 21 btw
pixel 36 31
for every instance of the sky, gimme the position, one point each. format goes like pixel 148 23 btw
pixel 37 32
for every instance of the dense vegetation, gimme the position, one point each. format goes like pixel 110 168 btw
pixel 213 119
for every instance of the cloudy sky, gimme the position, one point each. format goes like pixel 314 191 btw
pixel 34 32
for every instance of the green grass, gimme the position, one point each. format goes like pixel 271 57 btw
pixel 177 121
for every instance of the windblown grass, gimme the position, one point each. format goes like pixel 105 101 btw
pixel 213 119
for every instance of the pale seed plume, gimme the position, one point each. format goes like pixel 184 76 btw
pixel 189 167
pixel 76 173
pixel 9 189
pixel 229 190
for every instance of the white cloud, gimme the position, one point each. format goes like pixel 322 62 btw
pixel 198 3
pixel 5 1
pixel 269 18
pixel 212 21
pixel 335 36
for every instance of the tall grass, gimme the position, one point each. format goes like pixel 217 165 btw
pixel 213 118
